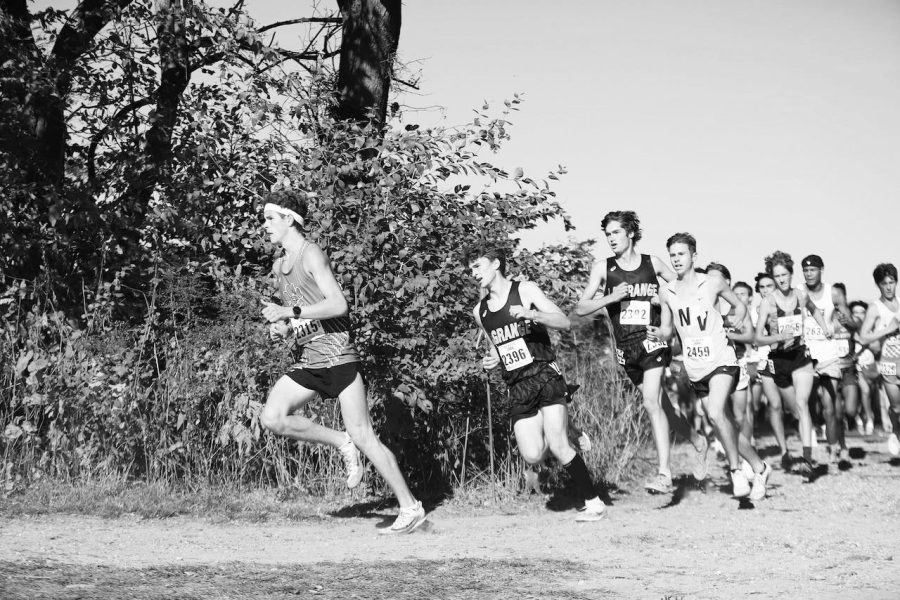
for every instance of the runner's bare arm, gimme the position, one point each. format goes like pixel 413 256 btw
pixel 491 359
pixel 806 301
pixel 588 304
pixel 662 270
pixel 544 311
pixel 842 312
pixel 868 333
pixel 740 309
pixel 665 331
pixel 766 308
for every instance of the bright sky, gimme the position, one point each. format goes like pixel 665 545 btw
pixel 753 125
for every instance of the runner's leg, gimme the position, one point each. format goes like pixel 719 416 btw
pixel 285 398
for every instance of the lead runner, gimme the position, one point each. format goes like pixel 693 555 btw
pixel 316 313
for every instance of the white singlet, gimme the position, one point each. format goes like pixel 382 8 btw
pixel 821 348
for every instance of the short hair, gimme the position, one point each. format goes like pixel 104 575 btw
pixel 745 285
pixel 714 266
pixel 682 238
pixel 491 253
pixel 884 270
pixel 290 199
pixel 841 287
pixel 758 278
pixel 856 303
pixel 779 258
pixel 629 221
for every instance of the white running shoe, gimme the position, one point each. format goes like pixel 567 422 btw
pixel 593 510
pixel 408 519
pixel 870 428
pixel 661 484
pixel 740 485
pixel 747 470
pixel 893 445
pixel 351 463
pixel 584 443
pixel 759 483
pixel 701 467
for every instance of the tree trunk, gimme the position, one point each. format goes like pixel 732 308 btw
pixel 371 32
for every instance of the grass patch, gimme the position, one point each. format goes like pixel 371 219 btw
pixel 414 580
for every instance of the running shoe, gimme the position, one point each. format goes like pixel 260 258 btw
pixel 408 519
pixel 870 428
pixel 859 424
pixel 701 467
pixel 787 461
pixel 584 442
pixel 532 482
pixel 351 463
pixel 747 470
pixel 661 484
pixel 803 468
pixel 759 483
pixel 593 510
pixel 893 445
pixel 740 487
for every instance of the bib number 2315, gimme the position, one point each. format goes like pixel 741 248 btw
pixel 515 354
pixel 306 330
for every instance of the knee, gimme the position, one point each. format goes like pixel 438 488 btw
pixel 652 405
pixel 365 439
pixel 271 419
pixel 532 456
pixel 716 414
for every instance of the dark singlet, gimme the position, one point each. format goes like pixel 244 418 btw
pixel 631 316
pixel 792 321
pixel 740 348
pixel 523 345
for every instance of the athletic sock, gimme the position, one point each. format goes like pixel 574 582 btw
pixel 807 453
pixel 581 477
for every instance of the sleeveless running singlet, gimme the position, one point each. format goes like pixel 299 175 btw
pixel 523 345
pixel 790 321
pixel 701 329
pixel 321 343
pixel 631 316
pixel 821 348
pixel 890 345
pixel 740 348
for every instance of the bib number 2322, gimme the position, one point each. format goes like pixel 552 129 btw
pixel 515 354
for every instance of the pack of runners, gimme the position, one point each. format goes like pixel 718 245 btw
pixel 796 347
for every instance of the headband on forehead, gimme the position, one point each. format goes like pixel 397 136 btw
pixel 283 211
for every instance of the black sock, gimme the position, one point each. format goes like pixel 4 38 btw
pixel 807 453
pixel 581 478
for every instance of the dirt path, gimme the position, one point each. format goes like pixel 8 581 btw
pixel 834 538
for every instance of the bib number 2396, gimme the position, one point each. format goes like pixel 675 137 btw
pixel 515 354
pixel 306 330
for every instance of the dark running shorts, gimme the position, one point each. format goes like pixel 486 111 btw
pixel 328 382
pixel 701 386
pixel 635 358
pixel 783 363
pixel 545 388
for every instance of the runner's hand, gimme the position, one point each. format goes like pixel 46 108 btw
pixel 274 313
pixel 279 331
pixel 654 334
pixel 490 361
pixel 619 293
pixel 517 311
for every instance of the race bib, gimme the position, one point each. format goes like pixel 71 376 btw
pixel 813 331
pixel 891 347
pixel 792 324
pixel 698 347
pixel 887 368
pixel 843 347
pixel 650 345
pixel 515 354
pixel 306 330
pixel 635 312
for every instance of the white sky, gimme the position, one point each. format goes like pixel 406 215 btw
pixel 753 125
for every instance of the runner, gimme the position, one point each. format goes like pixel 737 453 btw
pixel 825 353
pixel 315 315
pixel 789 362
pixel 867 375
pixel 844 328
pixel 630 284
pixel 515 315
pixel 883 324
pixel 765 287
pixel 691 304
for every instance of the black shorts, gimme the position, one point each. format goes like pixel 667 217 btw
pixel 701 386
pixel 329 382
pixel 635 358
pixel 545 388
pixel 782 364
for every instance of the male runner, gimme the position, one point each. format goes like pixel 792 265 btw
pixel 883 324
pixel 845 326
pixel 630 284
pixel 691 304
pixel 825 353
pixel 515 315
pixel 315 314
pixel 867 375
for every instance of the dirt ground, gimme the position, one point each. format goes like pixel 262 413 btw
pixel 834 538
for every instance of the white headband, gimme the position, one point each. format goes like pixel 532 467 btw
pixel 283 211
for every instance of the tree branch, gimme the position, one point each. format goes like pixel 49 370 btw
pixel 332 20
